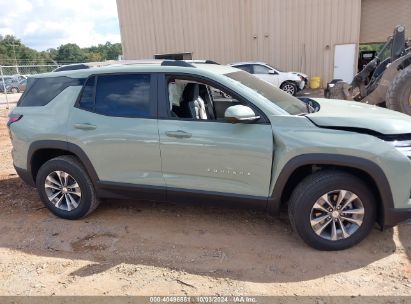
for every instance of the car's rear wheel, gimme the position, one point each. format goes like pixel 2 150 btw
pixel 332 210
pixel 14 90
pixel 289 87
pixel 65 188
pixel 398 96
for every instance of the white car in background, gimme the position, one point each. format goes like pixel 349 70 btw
pixel 290 82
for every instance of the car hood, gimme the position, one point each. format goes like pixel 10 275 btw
pixel 290 76
pixel 355 115
pixel 298 73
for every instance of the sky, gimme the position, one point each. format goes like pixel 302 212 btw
pixel 44 24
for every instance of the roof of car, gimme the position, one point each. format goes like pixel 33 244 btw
pixel 141 66
pixel 247 62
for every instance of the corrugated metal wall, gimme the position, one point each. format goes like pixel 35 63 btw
pixel 289 34
pixel 379 17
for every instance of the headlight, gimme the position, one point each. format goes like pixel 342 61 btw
pixel 406 151
pixel 404 147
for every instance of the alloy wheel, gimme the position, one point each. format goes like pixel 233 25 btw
pixel 289 88
pixel 62 190
pixel 337 215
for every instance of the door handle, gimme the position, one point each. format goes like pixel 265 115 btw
pixel 178 134
pixel 84 126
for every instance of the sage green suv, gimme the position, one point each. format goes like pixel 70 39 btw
pixel 175 131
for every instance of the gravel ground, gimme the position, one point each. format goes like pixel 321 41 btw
pixel 12 99
pixel 145 248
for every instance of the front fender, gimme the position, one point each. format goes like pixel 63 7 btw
pixel 345 161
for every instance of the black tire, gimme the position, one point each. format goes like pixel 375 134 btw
pixel 286 87
pixel 327 93
pixel 311 189
pixel 398 96
pixel 15 90
pixel 69 164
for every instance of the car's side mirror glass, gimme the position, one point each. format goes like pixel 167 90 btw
pixel 272 72
pixel 240 113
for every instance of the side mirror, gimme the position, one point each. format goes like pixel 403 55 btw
pixel 239 113
pixel 272 72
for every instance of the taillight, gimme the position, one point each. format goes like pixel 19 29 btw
pixel 13 118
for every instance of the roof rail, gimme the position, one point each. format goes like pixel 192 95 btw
pixel 202 61
pixel 177 63
pixel 71 67
pixel 211 62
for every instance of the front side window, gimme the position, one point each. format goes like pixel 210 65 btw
pixel 260 69
pixel 194 100
pixel 123 95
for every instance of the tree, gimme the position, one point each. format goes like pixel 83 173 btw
pixel 93 56
pixel 12 50
pixel 69 53
pixel 112 50
pixel 107 51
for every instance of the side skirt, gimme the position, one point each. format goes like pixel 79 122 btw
pixel 175 195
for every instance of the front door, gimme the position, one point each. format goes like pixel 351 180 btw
pixel 115 124
pixel 267 74
pixel 205 153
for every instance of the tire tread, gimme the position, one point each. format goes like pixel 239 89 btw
pixel 308 184
pixel 75 163
pixel 393 100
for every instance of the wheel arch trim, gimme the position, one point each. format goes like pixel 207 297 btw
pixel 352 162
pixel 64 146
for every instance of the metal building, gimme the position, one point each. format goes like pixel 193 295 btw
pixel 317 37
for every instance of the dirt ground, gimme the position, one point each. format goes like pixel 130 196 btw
pixel 145 248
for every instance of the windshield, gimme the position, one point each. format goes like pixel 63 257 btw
pixel 280 98
pixel 7 81
pixel 282 71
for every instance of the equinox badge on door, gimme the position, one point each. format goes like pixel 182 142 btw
pixel 228 171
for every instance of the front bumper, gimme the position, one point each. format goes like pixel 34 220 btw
pixel 393 217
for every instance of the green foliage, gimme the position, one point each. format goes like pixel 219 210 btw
pixel 69 52
pixel 13 51
pixel 371 47
pixel 107 51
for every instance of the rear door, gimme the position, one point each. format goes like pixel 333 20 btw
pixel 115 123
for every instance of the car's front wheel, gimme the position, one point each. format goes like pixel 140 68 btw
pixel 332 210
pixel 65 188
pixel 14 90
pixel 289 87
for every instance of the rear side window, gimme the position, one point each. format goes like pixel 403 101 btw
pixel 247 67
pixel 40 91
pixel 86 101
pixel 123 95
